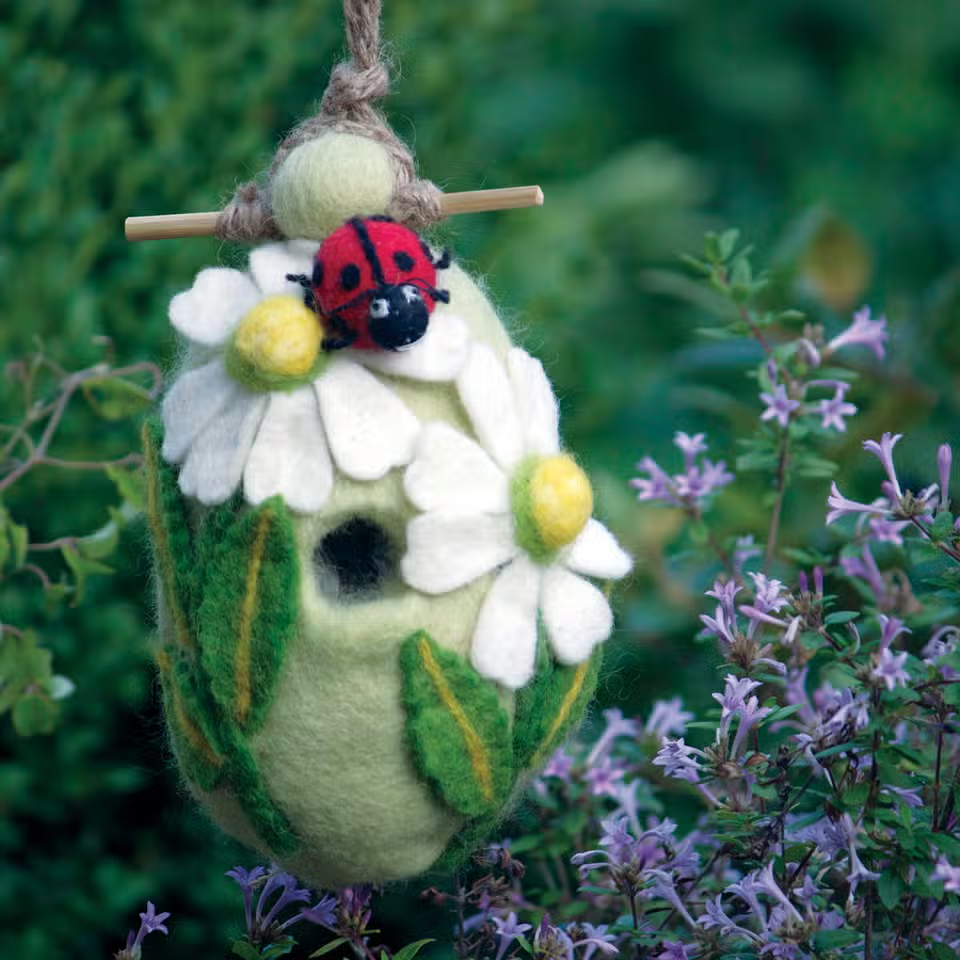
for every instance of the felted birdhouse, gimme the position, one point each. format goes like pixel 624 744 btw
pixel 379 573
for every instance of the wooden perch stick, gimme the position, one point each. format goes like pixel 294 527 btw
pixel 178 225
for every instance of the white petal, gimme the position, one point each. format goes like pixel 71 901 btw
pixel 446 550
pixel 575 613
pixel 270 264
pixel 290 455
pixel 214 466
pixel 212 307
pixel 505 639
pixel 369 428
pixel 191 403
pixel 438 356
pixel 488 397
pixel 536 403
pixel 450 472
pixel 596 553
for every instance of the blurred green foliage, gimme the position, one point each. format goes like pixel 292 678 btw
pixel 825 129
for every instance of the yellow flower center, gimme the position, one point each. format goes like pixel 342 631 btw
pixel 279 337
pixel 561 500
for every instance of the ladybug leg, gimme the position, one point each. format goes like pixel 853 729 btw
pixel 443 261
pixel 343 335
pixel 304 281
pixel 329 344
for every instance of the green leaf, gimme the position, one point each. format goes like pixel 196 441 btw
pixel 940 951
pixel 101 544
pixel 550 705
pixel 82 567
pixel 832 939
pixel 327 947
pixel 411 949
pixel 890 887
pixel 19 540
pixel 34 714
pixel 114 398
pixel 458 731
pixel 251 596
pixel 131 486
pixel 279 949
pixel 245 949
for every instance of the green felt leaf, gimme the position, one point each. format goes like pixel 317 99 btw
pixel 192 719
pixel 459 733
pixel 549 706
pixel 170 532
pixel 251 588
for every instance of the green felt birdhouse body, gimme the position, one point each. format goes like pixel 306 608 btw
pixel 379 577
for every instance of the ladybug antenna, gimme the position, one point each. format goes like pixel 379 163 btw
pixel 442 295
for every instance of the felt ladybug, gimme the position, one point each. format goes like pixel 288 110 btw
pixel 373 284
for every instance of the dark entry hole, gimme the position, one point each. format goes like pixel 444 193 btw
pixel 354 560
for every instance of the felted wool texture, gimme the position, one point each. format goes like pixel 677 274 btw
pixel 337 718
pixel 323 182
pixel 458 732
pixel 333 754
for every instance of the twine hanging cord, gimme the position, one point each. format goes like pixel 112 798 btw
pixel 346 107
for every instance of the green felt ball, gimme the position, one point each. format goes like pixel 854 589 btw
pixel 324 182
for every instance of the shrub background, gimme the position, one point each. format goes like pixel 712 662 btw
pixel 825 129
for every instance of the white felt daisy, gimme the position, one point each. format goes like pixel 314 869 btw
pixel 511 501
pixel 268 408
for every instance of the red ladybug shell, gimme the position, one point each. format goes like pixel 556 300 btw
pixel 357 259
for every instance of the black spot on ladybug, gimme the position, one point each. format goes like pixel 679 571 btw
pixel 350 277
pixel 317 277
pixel 403 260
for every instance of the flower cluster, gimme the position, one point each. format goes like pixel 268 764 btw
pixel 689 489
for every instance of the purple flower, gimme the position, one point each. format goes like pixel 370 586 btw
pixel 891 628
pixel 734 694
pixel 323 913
pixel 550 942
pixel 883 451
pixel 744 549
pixel 674 950
pixel 841 506
pixel 779 405
pixel 751 713
pixel 596 938
pixel 678 760
pixel 835 409
pixel 688 489
pixel 887 531
pixel 949 875
pixel 247 880
pixel 890 670
pixel 150 922
pixel 863 332
pixel 722 626
pixel 616 726
pixel 690 446
pixel 666 717
pixel 603 777
pixel 559 765
pixel 865 567
pixel 508 930
pixel 858 872
pixel 768 593
pixel 715 917
pixel 725 593
pixel 944 463
pixel 908 795
pixel 657 486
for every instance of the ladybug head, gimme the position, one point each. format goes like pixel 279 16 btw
pixel 373 282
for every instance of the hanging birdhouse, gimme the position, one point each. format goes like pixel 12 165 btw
pixel 380 580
